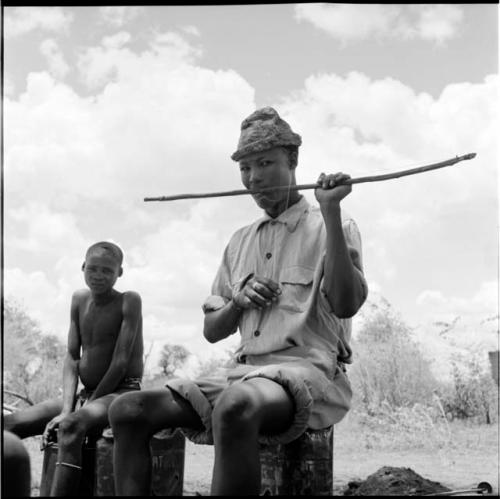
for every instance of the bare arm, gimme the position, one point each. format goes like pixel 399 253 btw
pixel 343 281
pixel 257 293
pixel 132 312
pixel 70 371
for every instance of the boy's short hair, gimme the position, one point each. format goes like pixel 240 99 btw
pixel 108 247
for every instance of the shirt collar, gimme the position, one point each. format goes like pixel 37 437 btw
pixel 289 217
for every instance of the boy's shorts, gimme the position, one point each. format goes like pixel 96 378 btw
pixel 319 387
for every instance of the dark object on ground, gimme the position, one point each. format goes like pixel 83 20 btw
pixel 391 481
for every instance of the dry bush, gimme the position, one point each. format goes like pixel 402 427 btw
pixel 389 367
pixel 472 393
pixel 33 361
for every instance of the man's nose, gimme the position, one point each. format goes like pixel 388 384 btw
pixel 255 176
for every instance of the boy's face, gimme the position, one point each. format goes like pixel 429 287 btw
pixel 268 168
pixel 101 270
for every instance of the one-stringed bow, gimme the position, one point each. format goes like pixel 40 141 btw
pixel 359 180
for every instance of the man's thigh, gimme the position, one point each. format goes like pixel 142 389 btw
pixel 159 409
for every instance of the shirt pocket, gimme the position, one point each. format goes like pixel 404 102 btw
pixel 296 288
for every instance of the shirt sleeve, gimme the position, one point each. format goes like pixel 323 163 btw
pixel 221 291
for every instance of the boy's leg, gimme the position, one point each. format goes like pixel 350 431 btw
pixel 135 417
pixel 16 467
pixel 242 412
pixel 70 437
pixel 32 420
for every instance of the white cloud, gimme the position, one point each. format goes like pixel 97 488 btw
pixel 483 303
pixel 120 15
pixel 191 30
pixel 116 41
pixel 349 22
pixel 438 23
pixel 55 58
pixel 21 20
pixel 156 123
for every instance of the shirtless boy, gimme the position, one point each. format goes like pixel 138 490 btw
pixel 104 353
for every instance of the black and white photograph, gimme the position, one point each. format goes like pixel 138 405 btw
pixel 250 249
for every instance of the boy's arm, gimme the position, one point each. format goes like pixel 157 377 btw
pixel 132 313
pixel 70 371
pixel 343 280
pixel 70 368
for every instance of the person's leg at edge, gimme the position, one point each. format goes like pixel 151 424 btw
pixel 16 466
pixel 242 412
pixel 135 417
pixel 70 437
pixel 32 420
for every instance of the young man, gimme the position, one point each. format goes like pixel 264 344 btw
pixel 290 282
pixel 104 353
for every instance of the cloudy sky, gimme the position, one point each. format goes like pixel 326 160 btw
pixel 104 106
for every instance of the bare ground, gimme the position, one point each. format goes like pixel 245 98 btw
pixel 468 456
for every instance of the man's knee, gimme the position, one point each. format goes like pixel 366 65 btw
pixel 235 411
pixel 126 409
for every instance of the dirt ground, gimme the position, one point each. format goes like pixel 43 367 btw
pixel 470 457
pixel 462 469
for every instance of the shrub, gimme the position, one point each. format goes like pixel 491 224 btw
pixel 389 367
pixel 472 393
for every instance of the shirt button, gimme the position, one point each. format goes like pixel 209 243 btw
pixel 256 333
pixel 269 255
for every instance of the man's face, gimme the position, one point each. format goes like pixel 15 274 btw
pixel 268 168
pixel 101 271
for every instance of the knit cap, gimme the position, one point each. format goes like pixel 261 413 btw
pixel 262 130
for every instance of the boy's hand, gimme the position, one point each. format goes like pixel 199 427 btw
pixel 258 292
pixel 50 433
pixel 329 190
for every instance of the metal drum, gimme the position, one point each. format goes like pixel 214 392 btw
pixel 302 467
pixel 167 449
pixel 86 486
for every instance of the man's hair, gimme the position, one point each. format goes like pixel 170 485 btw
pixel 108 247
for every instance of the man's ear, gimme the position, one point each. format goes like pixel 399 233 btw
pixel 120 272
pixel 83 266
pixel 293 160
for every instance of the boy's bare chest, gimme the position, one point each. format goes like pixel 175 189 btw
pixel 100 324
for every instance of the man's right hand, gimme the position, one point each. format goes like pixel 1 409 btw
pixel 50 433
pixel 258 293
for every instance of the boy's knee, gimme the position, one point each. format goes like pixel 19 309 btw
pixel 126 409
pixel 71 430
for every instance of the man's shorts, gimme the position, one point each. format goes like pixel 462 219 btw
pixel 319 387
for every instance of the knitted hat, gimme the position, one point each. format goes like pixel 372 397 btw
pixel 262 130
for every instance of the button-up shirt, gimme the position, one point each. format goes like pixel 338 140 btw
pixel 289 249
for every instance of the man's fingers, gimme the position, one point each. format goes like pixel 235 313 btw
pixel 265 283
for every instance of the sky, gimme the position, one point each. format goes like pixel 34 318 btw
pixel 104 106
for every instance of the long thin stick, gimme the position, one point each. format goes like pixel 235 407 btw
pixel 359 180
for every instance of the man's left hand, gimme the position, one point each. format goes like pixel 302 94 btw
pixel 330 188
